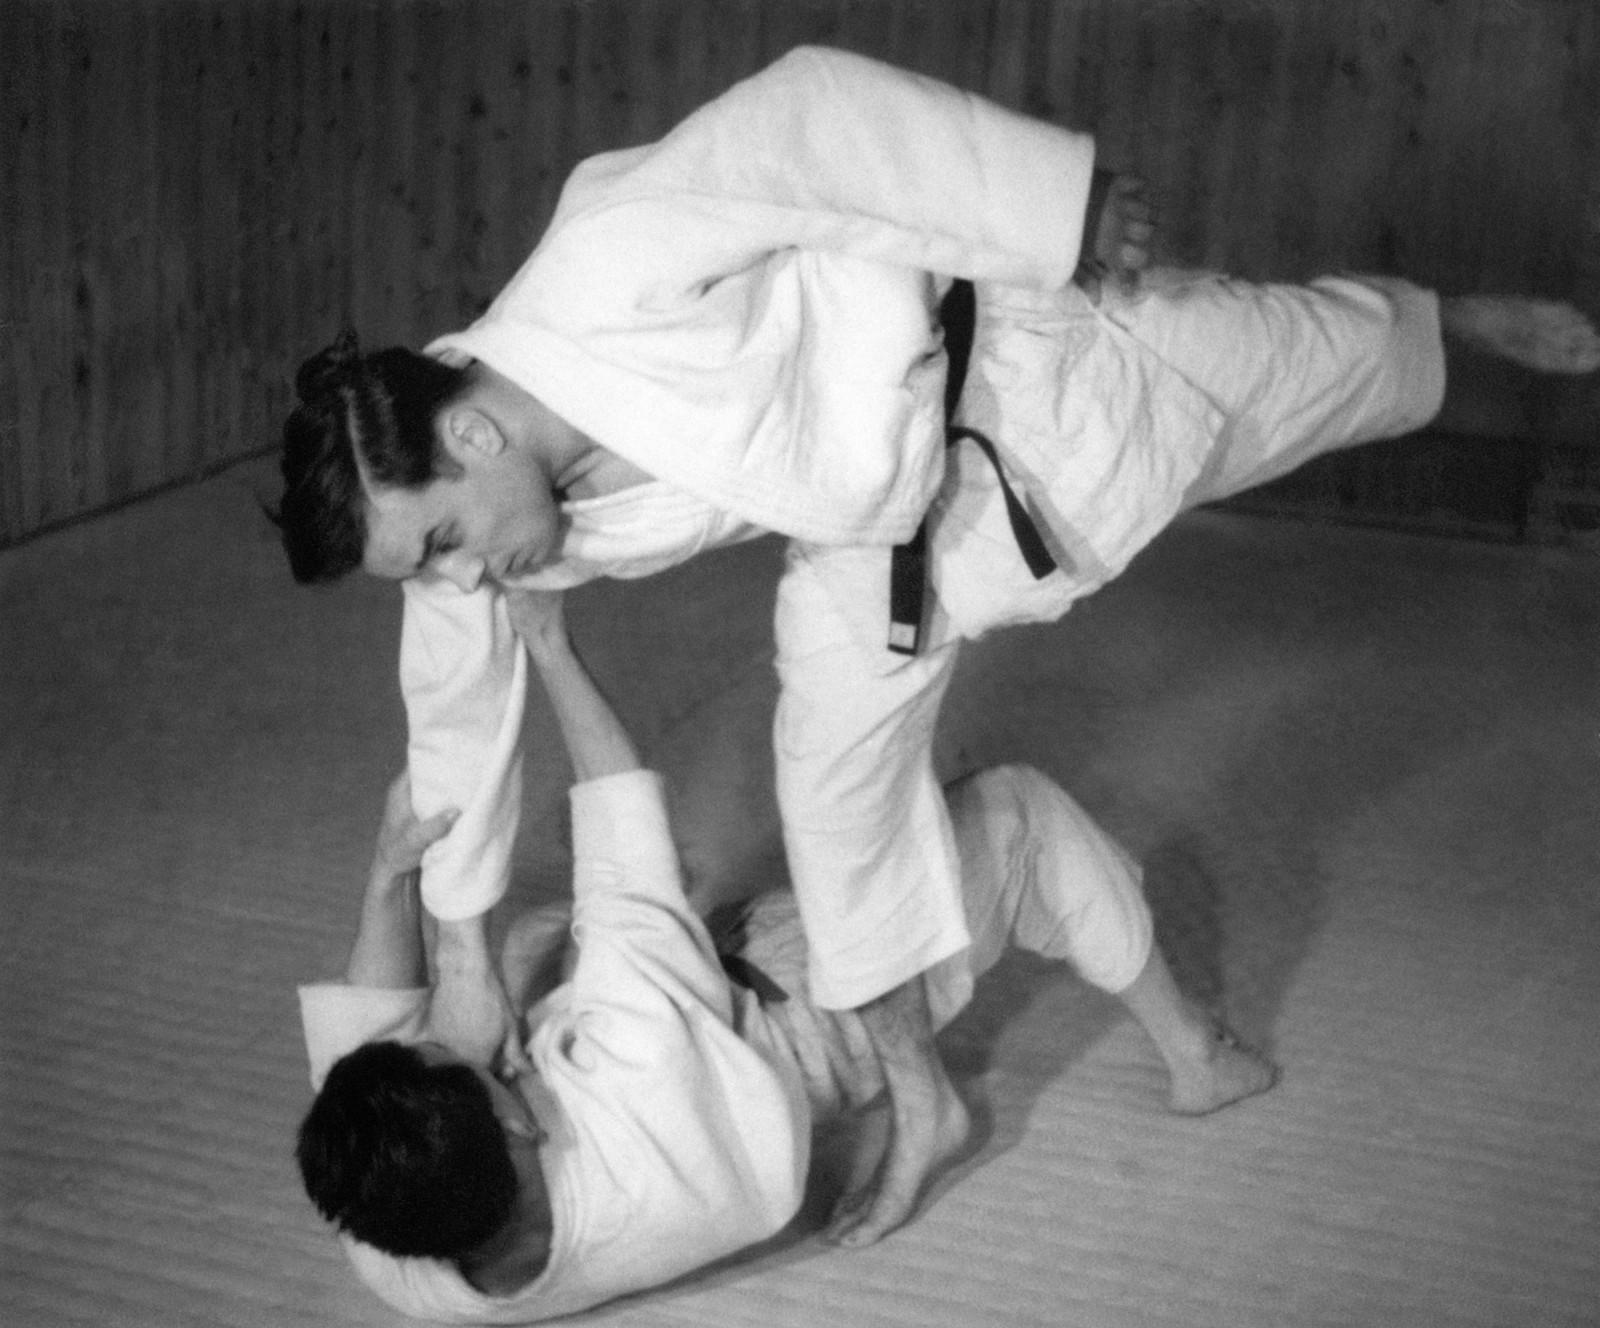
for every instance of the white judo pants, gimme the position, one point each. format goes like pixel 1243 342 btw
pixel 1110 419
pixel 1036 873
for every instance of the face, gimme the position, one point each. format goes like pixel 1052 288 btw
pixel 496 518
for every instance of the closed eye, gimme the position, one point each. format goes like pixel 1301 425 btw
pixel 436 545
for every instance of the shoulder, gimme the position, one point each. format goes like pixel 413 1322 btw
pixel 336 1018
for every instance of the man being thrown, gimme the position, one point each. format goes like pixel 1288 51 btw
pixel 733 331
pixel 668 1121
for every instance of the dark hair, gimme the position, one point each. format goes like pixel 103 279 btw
pixel 384 404
pixel 407 1156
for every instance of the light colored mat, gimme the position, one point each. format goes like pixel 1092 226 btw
pixel 1363 770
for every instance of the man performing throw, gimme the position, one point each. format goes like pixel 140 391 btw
pixel 734 331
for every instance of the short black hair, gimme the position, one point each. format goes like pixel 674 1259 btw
pixel 406 1156
pixel 383 404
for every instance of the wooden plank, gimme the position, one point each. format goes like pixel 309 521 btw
pixel 22 134
pixel 71 197
pixel 112 155
pixel 221 185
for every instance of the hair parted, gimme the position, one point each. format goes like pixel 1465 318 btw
pixel 383 404
pixel 406 1156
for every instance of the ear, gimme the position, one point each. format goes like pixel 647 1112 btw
pixel 469 432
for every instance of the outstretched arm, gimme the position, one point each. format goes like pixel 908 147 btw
pixel 471 1010
pixel 647 1015
pixel 463 676
pixel 388 949
pixel 596 740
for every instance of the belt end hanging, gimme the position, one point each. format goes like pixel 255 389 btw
pixel 908 584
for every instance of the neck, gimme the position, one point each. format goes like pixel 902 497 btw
pixel 596 472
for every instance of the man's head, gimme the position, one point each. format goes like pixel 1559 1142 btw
pixel 409 1149
pixel 359 419
pixel 399 463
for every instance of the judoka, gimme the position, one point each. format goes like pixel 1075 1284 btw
pixel 669 1118
pixel 733 331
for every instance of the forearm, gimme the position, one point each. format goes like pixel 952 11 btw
pixel 461 951
pixel 596 740
pixel 388 949
pixel 470 1012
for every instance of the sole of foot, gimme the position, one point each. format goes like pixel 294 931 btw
pixel 1548 336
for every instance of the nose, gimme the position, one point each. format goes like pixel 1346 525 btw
pixel 462 571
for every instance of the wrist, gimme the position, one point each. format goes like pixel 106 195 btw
pixel 391 881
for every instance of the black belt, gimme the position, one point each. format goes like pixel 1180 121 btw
pixel 908 562
pixel 908 565
pixel 741 972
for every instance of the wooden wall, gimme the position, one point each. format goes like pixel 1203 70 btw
pixel 197 193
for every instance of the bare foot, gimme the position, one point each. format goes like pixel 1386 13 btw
pixel 920 1148
pixel 1218 1072
pixel 1549 336
pixel 928 1122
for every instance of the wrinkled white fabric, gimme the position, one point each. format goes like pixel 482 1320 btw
pixel 746 310
pixel 680 1106
pixel 746 306
pixel 673 1141
pixel 1036 873
pixel 1111 418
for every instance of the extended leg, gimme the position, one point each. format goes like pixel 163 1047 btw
pixel 1299 371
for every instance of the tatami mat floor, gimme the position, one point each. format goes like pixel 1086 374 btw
pixel 1363 769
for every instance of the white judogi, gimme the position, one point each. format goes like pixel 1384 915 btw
pixel 679 1107
pixel 672 1141
pixel 745 311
